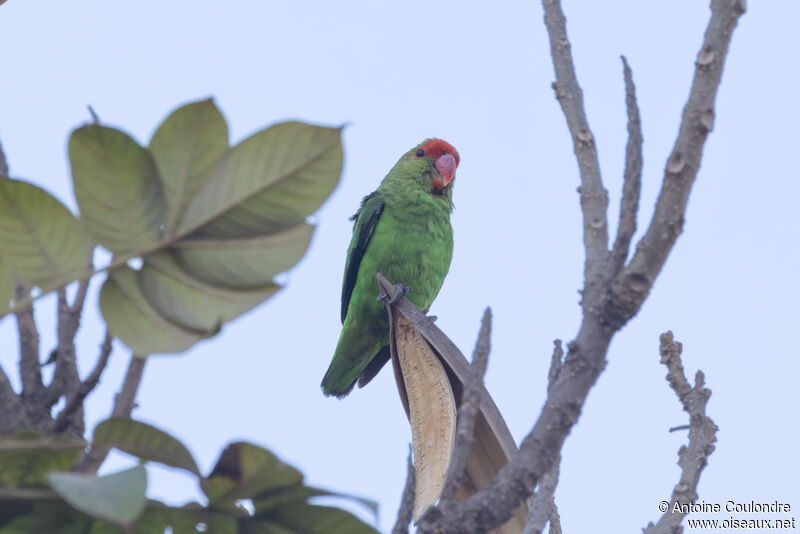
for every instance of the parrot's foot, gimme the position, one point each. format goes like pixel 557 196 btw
pixel 399 292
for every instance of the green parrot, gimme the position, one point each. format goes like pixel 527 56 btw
pixel 402 230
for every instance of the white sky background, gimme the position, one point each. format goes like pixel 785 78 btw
pixel 479 78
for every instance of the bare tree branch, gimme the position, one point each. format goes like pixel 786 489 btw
pixel 542 504
pixel 556 364
pixel 29 365
pixel 95 118
pixel 607 303
pixel 468 411
pixel 406 511
pixel 632 177
pixel 594 197
pixel 702 436
pixel 555 520
pixel 10 406
pixel 3 163
pixel 66 380
pixel 633 284
pixel 86 387
pixel 124 403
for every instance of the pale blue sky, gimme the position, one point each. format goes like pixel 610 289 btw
pixel 479 78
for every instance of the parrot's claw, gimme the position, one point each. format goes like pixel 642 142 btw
pixel 399 292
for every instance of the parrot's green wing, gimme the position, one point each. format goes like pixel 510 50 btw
pixel 366 219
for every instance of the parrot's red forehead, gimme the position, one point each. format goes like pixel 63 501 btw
pixel 434 148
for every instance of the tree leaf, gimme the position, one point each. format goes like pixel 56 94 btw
pixel 42 242
pixel 186 148
pixel 118 498
pixel 144 441
pixel 269 500
pixel 247 262
pixel 271 180
pixel 131 318
pixel 245 470
pixel 185 300
pixel 302 518
pixel 117 188
pixel 26 457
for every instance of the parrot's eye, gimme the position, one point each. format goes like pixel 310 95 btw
pixel 420 153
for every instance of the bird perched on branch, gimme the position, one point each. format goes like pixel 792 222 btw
pixel 402 230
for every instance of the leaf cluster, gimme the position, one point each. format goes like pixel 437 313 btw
pixel 250 490
pixel 212 224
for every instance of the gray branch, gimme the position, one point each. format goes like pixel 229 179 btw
pixel 702 436
pixel 468 410
pixel 632 178
pixel 542 504
pixel 76 400
pixel 3 164
pixel 406 511
pixel 29 365
pixel 608 302
pixel 594 197
pixel 630 288
pixel 124 403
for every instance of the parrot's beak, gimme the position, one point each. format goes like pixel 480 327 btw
pixel 446 165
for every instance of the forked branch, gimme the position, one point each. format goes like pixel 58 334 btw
pixel 702 435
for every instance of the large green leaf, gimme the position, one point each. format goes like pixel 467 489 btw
pixel 119 498
pixel 271 180
pixel 41 241
pixel 131 318
pixel 302 518
pixel 144 441
pixel 185 300
pixel 187 147
pixel 245 470
pixel 26 458
pixel 212 225
pixel 117 187
pixel 247 262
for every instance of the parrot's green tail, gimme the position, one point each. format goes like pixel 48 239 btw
pixel 353 353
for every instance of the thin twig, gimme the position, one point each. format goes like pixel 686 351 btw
pixel 86 387
pixel 632 177
pixel 468 410
pixel 406 511
pixel 95 118
pixel 556 365
pixel 594 197
pixel 702 436
pixel 124 403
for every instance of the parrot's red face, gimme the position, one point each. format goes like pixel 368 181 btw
pixel 446 160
